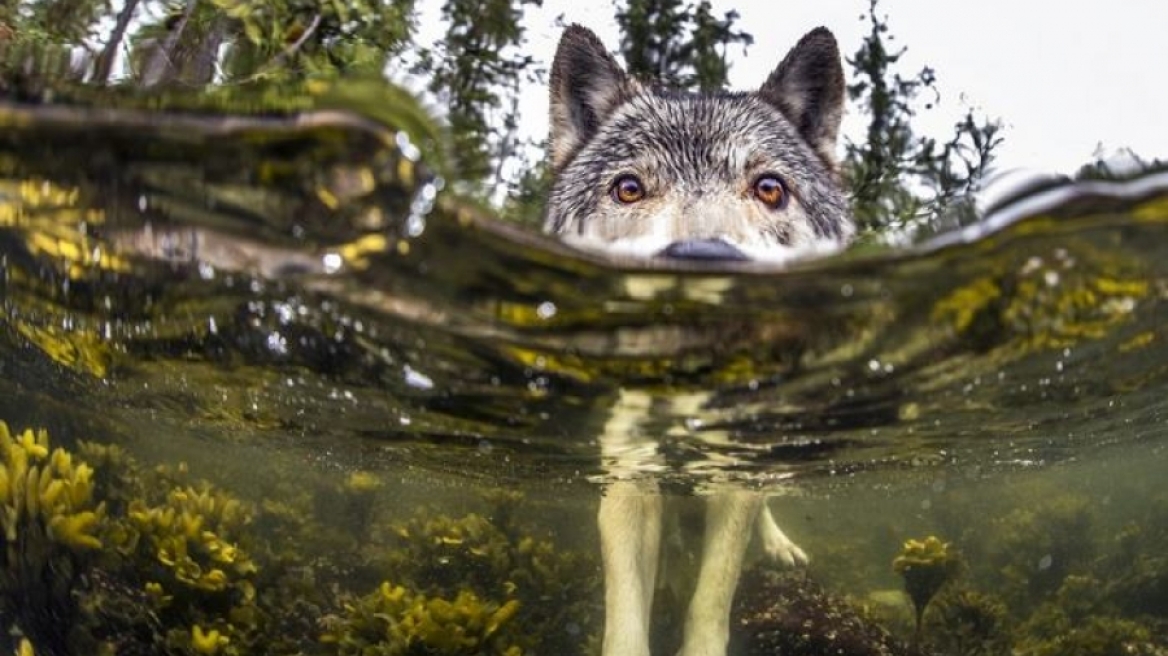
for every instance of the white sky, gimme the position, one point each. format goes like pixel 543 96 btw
pixel 1066 78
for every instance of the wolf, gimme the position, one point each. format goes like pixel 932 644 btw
pixel 644 171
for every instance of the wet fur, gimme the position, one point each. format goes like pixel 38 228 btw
pixel 698 157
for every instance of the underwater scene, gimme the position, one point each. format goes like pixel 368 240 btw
pixel 268 385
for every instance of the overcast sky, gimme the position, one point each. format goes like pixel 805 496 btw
pixel 1064 77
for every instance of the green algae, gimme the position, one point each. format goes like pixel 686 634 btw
pixel 925 565
pixel 143 560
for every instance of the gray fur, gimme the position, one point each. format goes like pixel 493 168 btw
pixel 697 159
pixel 697 155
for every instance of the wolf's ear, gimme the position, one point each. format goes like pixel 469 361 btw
pixel 586 85
pixel 808 88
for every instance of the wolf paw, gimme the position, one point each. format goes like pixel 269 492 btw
pixel 777 546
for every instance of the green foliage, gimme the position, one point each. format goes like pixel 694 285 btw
pixel 526 196
pixel 476 72
pixel 192 44
pixel 899 179
pixel 679 44
pixel 292 39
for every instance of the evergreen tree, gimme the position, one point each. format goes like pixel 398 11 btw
pixel 476 72
pixel 682 45
pixel 194 42
pixel 897 178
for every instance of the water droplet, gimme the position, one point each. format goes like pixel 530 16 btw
pixel 416 378
pixel 546 310
pixel 407 148
pixel 332 262
pixel 278 344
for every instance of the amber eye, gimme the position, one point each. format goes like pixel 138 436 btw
pixel 769 189
pixel 628 189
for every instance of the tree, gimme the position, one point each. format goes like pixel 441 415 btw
pixel 897 178
pixel 476 72
pixel 193 43
pixel 681 45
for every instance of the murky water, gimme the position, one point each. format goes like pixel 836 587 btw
pixel 357 416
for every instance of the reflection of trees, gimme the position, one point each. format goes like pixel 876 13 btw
pixel 1072 294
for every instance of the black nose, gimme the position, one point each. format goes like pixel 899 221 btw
pixel 702 249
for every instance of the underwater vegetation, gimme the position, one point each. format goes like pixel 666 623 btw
pixel 394 621
pixel 102 555
pixel 49 522
pixel 1047 578
pixel 925 565
pixel 788 613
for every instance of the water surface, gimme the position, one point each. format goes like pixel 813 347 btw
pixel 298 311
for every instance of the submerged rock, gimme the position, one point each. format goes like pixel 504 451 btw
pixel 788 614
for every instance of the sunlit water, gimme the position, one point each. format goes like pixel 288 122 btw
pixel 301 315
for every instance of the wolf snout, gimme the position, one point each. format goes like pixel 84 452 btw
pixel 703 249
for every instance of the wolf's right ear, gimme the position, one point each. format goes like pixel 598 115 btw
pixel 586 85
pixel 808 88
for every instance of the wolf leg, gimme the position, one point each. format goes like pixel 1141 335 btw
pixel 730 516
pixel 629 520
pixel 630 536
pixel 775 543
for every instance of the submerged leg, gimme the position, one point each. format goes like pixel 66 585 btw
pixel 630 538
pixel 629 519
pixel 730 516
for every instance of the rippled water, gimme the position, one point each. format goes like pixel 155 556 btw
pixel 275 299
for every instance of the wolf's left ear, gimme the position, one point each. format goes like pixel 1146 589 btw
pixel 808 88
pixel 586 85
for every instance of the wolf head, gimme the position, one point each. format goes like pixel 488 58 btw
pixel 652 172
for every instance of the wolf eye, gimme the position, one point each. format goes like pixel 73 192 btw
pixel 769 189
pixel 628 189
